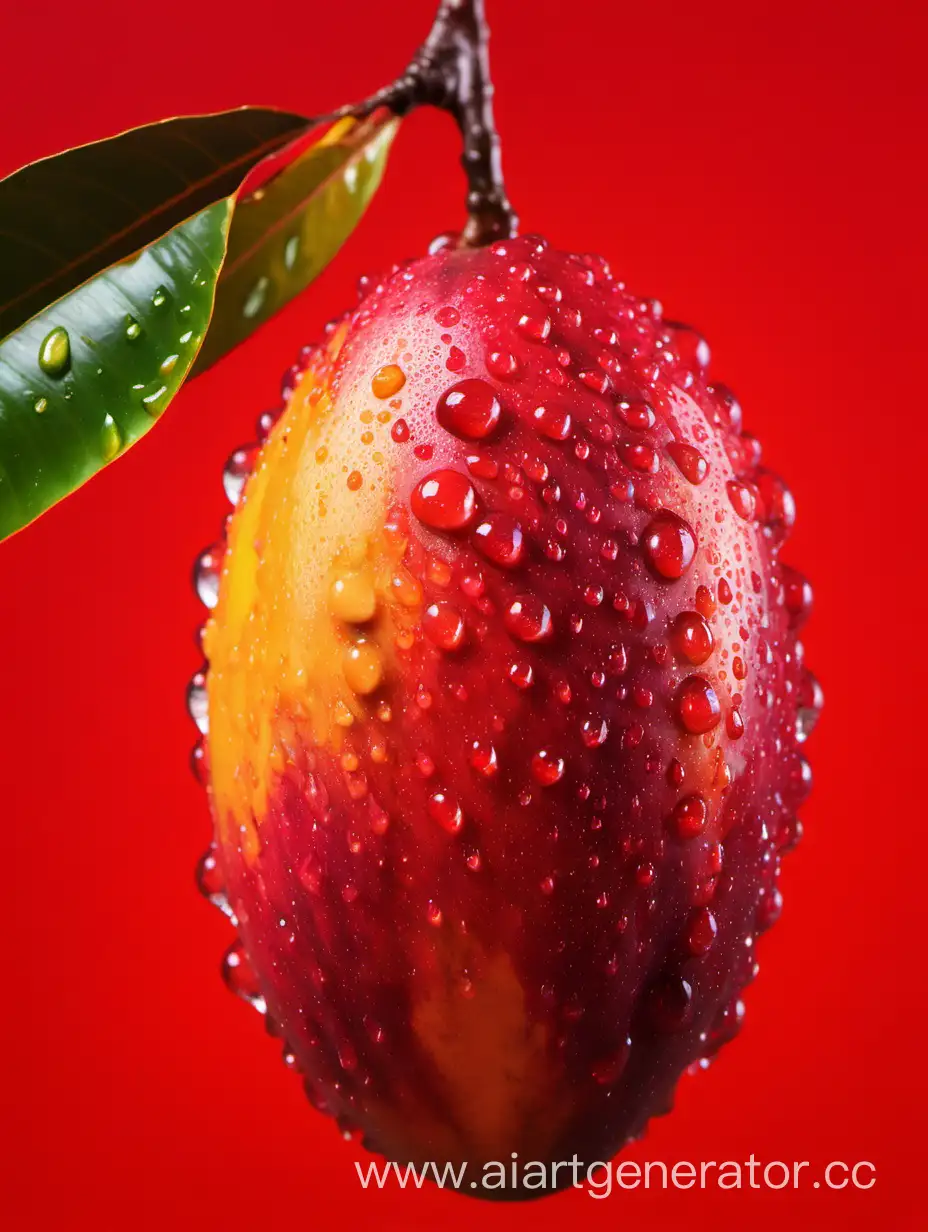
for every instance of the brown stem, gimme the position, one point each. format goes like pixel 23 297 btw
pixel 451 71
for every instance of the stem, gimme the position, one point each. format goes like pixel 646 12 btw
pixel 451 71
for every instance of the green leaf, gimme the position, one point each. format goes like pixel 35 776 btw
pixel 110 264
pixel 285 234
pixel 86 378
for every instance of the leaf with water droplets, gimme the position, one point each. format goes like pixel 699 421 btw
pixel 106 300
pixel 288 231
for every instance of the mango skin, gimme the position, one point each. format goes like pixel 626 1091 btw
pixel 467 952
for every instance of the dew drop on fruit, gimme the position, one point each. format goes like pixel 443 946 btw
pixel 743 498
pixel 692 638
pixel 363 667
pixel 811 700
pixel 529 619
pixel 55 352
pixel 236 472
pixel 797 596
pixel 697 705
pixel 446 811
pixel 388 381
pixel 701 931
pixel 552 421
pixel 445 500
pixel 547 768
pixel 499 538
pixel 691 347
pixel 206 574
pixel 521 674
pixel 594 732
pixel 240 977
pixel 689 461
pixel 443 626
pixel 503 365
pixel 469 409
pixel 669 546
pixel 690 816
pixel 483 758
pixel 637 415
pixel 640 457
pixel 535 327
pixel 352 597
pixel 198 702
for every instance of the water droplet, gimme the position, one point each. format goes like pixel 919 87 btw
pixel 110 440
pixel 443 626
pixel 701 931
pixel 669 546
pixel 400 431
pixel 692 638
pixel 640 457
pixel 690 816
pixel 811 701
pixel 734 724
pixel 697 705
pixel 535 327
pixel 197 702
pixel 483 758
pixel 133 329
pixel 594 732
pixel 41 405
pixel 236 472
pixel 255 299
pixel 529 619
pixel 291 251
pixel 363 667
pixel 447 317
pixel 55 352
pixel 168 365
pixel 206 574
pixel 689 461
pixel 743 497
pixel 388 381
pixel 240 977
pixel 445 500
pixel 637 415
pixel 552 421
pixel 797 596
pixel 469 409
pixel 446 811
pixel 160 297
pixel 354 481
pixel 352 598
pixel 156 401
pixel 547 768
pixel 691 347
pixel 503 365
pixel 499 538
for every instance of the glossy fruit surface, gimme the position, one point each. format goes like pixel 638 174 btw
pixel 504 706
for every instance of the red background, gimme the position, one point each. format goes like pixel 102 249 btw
pixel 758 167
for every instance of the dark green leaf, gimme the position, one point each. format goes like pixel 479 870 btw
pixel 64 219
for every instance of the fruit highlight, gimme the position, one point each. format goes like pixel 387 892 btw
pixel 504 709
